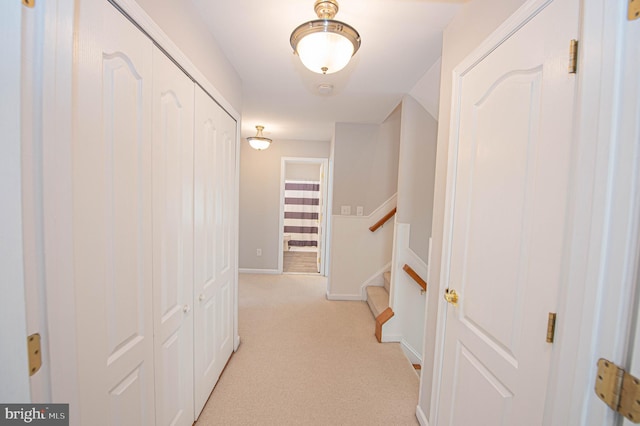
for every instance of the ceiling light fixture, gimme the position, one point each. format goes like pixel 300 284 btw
pixel 325 46
pixel 258 141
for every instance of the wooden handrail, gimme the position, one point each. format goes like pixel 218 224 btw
pixel 382 221
pixel 380 320
pixel 413 274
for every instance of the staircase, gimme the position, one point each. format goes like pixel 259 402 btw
pixel 378 297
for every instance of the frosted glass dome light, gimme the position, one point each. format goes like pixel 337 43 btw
pixel 325 46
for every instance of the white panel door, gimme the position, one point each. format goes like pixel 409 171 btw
pixel 509 175
pixel 215 135
pixel 112 220
pixel 172 241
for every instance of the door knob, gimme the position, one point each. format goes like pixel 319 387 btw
pixel 186 308
pixel 451 297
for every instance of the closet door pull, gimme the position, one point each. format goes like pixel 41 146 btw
pixel 201 297
pixel 186 308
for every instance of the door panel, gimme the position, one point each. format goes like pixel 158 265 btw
pixel 214 246
pixel 112 217
pixel 509 191
pixel 173 241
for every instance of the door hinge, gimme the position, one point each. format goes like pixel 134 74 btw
pixel 29 3
pixel 551 327
pixel 34 352
pixel 634 10
pixel 618 389
pixel 573 56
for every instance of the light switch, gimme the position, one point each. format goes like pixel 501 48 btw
pixel 345 210
pixel 359 211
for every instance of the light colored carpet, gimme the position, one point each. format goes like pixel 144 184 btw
pixel 304 360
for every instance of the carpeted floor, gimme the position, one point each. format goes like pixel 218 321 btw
pixel 304 360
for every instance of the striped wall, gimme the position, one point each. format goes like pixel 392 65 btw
pixel 301 213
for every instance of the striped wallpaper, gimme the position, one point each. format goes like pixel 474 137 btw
pixel 301 212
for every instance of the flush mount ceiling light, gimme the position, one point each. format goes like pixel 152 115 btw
pixel 258 141
pixel 325 46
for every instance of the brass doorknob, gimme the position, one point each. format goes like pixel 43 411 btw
pixel 451 297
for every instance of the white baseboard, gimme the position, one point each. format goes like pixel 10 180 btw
pixel 422 419
pixel 391 338
pixel 410 352
pixel 258 271
pixel 331 296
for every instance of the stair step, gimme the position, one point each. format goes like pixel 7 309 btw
pixel 387 280
pixel 378 299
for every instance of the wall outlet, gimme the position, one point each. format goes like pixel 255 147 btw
pixel 258 252
pixel 359 211
pixel 345 210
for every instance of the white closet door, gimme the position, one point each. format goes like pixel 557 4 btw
pixel 172 241
pixel 215 134
pixel 112 220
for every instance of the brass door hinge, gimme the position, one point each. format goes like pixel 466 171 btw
pixel 551 327
pixel 573 56
pixel 29 3
pixel 634 10
pixel 618 389
pixel 34 352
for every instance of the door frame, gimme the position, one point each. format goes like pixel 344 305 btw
pixel 14 363
pixel 603 220
pixel 324 163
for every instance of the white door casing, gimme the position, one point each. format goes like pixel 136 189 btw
pixel 509 164
pixel 214 274
pixel 13 331
pixel 112 210
pixel 172 148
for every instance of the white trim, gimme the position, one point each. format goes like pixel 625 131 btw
pixel 597 301
pixel 13 329
pixel 391 338
pixel 410 352
pixel 523 15
pixel 145 22
pixel 259 271
pixel 57 140
pixel 422 419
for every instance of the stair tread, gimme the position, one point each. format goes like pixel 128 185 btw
pixel 387 280
pixel 378 299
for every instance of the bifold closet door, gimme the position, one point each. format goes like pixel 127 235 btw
pixel 112 216
pixel 172 241
pixel 215 135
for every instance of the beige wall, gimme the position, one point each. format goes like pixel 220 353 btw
pixel 416 174
pixel 181 21
pixel 366 164
pixel 472 24
pixel 260 198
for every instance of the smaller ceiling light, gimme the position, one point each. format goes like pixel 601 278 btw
pixel 258 141
pixel 325 46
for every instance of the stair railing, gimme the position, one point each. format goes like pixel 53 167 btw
pixel 382 221
pixel 417 278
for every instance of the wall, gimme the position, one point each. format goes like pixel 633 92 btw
pixel 260 198
pixel 473 22
pixel 366 164
pixel 181 21
pixel 416 175
pixel 309 172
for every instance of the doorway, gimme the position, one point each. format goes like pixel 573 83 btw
pixel 303 186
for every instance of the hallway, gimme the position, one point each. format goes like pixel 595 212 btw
pixel 304 360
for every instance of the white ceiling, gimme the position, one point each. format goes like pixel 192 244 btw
pixel 401 39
